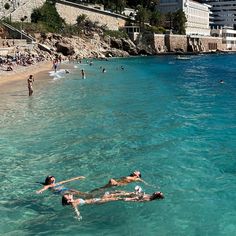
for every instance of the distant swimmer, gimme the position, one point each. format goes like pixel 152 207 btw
pixel 58 188
pixel 222 81
pixel 104 70
pixel 30 82
pixel 83 74
pixel 67 72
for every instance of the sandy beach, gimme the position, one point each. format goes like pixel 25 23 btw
pixel 7 78
pixel 12 81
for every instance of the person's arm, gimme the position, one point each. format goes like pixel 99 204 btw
pixel 77 212
pixel 69 180
pixel 141 180
pixel 46 187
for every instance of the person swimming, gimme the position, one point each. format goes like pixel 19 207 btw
pixel 133 177
pixel 145 197
pixel 68 199
pixel 58 188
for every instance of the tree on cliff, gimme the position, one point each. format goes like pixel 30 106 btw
pixel 120 5
pixel 143 16
pixel 179 22
pixel 157 19
pixel 49 15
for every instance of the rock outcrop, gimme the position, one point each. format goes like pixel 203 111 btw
pixel 65 49
pixel 95 45
pixel 145 44
pixel 124 44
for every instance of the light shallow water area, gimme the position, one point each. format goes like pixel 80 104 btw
pixel 171 119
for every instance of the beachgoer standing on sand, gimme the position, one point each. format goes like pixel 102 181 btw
pixel 30 84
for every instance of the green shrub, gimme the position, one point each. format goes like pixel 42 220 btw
pixel 48 15
pixel 81 19
pixel 156 30
pixel 36 15
pixel 115 34
pixel 7 6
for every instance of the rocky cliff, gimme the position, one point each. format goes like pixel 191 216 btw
pixel 94 45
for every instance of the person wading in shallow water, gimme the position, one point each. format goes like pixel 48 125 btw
pixel 30 82
pixel 83 74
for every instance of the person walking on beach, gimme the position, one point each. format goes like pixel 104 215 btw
pixel 30 82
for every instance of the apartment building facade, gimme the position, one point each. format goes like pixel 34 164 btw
pixel 223 13
pixel 197 14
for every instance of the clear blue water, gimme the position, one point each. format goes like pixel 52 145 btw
pixel 171 119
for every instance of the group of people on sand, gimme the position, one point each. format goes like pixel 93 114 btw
pixel 20 59
pixel 87 198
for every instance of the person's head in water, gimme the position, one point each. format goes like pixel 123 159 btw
pixel 49 180
pixel 136 174
pixel 157 195
pixel 66 199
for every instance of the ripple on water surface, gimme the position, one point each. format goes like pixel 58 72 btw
pixel 171 119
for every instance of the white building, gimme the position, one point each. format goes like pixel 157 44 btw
pixel 197 15
pixel 228 36
pixel 129 12
pixel 223 12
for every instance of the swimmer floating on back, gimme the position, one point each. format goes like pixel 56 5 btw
pixel 133 177
pixel 58 188
pixel 67 199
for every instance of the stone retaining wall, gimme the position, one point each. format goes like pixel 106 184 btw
pixel 173 43
pixel 176 42
pixel 159 42
pixel 212 43
pixel 70 14
pixel 5 43
pixel 25 10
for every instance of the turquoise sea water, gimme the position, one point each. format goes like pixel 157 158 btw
pixel 171 119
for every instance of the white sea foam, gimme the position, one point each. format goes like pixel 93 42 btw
pixel 57 75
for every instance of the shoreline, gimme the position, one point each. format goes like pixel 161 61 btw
pixel 9 77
